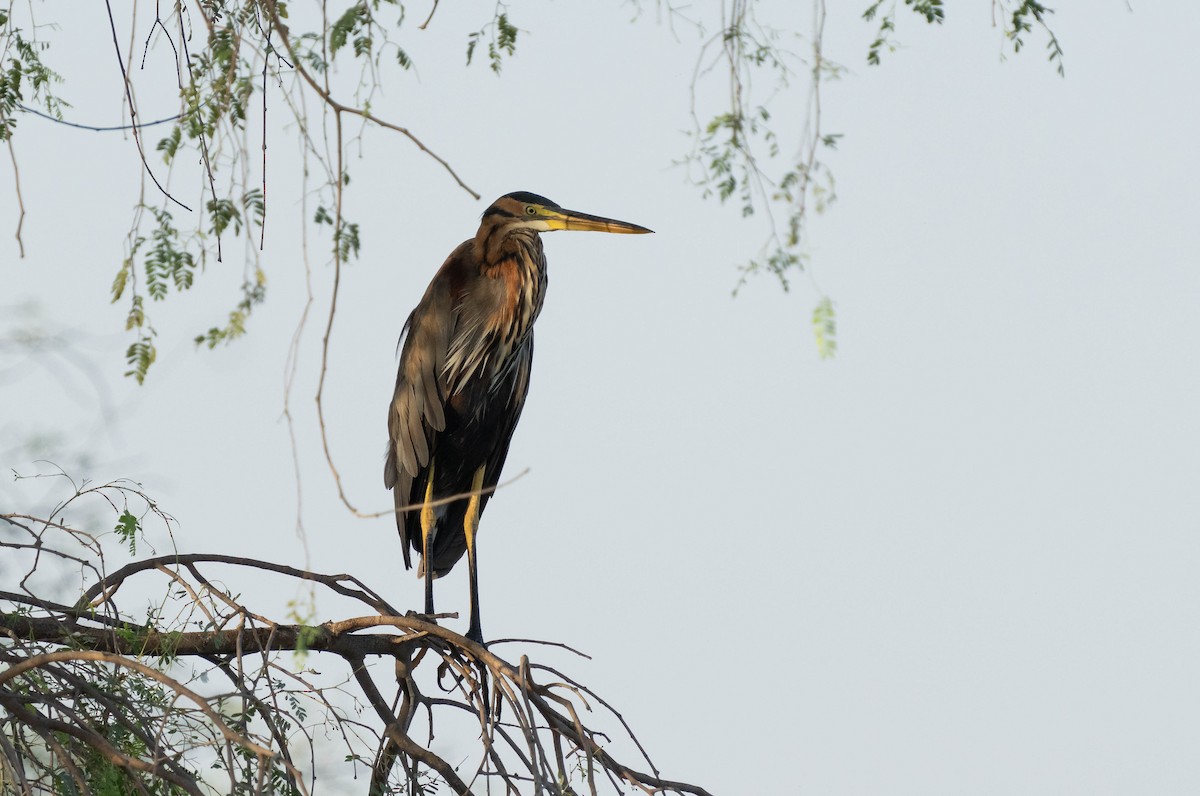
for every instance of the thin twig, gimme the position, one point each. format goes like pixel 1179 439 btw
pixel 20 201
pixel 432 11
pixel 36 661
pixel 262 239
pixel 338 240
pixel 109 129
pixel 338 107
pixel 133 110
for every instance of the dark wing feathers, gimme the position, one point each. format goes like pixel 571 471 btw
pixel 445 350
pixel 456 404
pixel 480 440
pixel 417 411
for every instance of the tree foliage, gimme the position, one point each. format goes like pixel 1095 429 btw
pixel 237 59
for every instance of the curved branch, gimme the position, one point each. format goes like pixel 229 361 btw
pixel 110 583
pixel 94 128
pixel 285 35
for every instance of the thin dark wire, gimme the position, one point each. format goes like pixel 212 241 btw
pixel 27 109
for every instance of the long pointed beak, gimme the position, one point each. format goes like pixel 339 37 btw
pixel 570 219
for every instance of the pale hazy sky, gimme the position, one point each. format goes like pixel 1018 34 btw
pixel 962 557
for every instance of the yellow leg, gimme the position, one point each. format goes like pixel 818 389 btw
pixel 428 528
pixel 471 521
pixel 427 516
pixel 470 527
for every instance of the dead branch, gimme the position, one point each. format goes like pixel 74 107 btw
pixel 96 690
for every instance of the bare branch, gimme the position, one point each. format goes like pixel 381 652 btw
pixel 334 582
pixel 543 739
pixel 133 110
pixel 339 108
pixel 95 128
pixel 20 200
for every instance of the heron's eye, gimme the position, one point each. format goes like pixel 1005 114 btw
pixel 530 210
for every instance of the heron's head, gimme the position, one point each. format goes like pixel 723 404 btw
pixel 524 210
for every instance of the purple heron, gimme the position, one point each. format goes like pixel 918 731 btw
pixel 465 355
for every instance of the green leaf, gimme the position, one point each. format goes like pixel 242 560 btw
pixel 255 206
pixel 345 24
pixel 170 145
pixel 824 323
pixel 140 356
pixel 127 528
pixel 224 213
pixel 122 277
